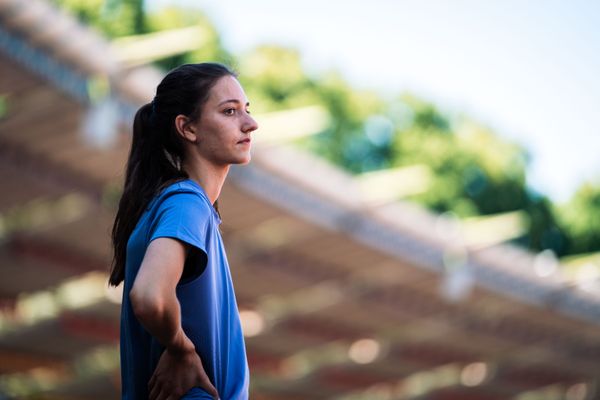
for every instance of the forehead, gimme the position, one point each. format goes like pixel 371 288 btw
pixel 227 88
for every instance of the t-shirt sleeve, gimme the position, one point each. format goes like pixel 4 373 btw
pixel 183 216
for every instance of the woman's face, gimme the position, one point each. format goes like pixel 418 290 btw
pixel 224 127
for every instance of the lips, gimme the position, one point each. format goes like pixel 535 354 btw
pixel 247 140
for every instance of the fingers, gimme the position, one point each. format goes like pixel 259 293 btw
pixel 152 388
pixel 154 392
pixel 162 395
pixel 208 386
pixel 165 395
pixel 158 390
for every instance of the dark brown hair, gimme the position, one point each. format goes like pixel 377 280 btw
pixel 157 150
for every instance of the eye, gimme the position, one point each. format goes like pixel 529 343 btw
pixel 229 111
pixel 248 111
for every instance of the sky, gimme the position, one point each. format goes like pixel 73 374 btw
pixel 528 69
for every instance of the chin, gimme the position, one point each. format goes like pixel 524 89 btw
pixel 243 160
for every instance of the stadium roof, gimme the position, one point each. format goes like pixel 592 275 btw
pixel 341 296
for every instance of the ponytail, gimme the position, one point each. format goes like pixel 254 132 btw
pixel 148 170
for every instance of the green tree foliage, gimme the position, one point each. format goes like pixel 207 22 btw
pixel 474 172
pixel 117 18
pixel 344 141
pixel 113 18
pixel 581 218
pixel 3 105
pixel 274 79
pixel 210 47
pixel 545 230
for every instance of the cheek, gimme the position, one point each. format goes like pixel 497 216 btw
pixel 220 134
pixel 219 128
pixel 217 142
pixel 211 132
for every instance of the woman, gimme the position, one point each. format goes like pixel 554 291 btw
pixel 180 328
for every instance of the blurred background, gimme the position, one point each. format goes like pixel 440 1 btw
pixel 421 218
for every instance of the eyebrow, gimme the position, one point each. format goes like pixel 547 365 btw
pixel 232 101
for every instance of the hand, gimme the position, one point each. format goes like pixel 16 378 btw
pixel 176 373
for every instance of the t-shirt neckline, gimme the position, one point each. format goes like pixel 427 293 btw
pixel 201 189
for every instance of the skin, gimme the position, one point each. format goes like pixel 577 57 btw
pixel 213 142
pixel 214 139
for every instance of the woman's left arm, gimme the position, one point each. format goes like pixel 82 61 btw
pixel 155 304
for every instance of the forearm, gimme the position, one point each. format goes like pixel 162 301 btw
pixel 179 367
pixel 160 315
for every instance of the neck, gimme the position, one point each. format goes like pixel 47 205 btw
pixel 211 177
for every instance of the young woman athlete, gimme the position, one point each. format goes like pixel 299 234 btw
pixel 180 330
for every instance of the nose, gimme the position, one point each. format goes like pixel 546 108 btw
pixel 249 124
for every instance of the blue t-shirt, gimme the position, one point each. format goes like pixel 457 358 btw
pixel 209 313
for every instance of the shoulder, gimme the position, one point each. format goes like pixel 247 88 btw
pixel 182 211
pixel 182 193
pixel 184 199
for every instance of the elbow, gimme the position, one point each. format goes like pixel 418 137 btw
pixel 145 305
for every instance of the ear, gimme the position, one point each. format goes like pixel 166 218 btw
pixel 185 128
